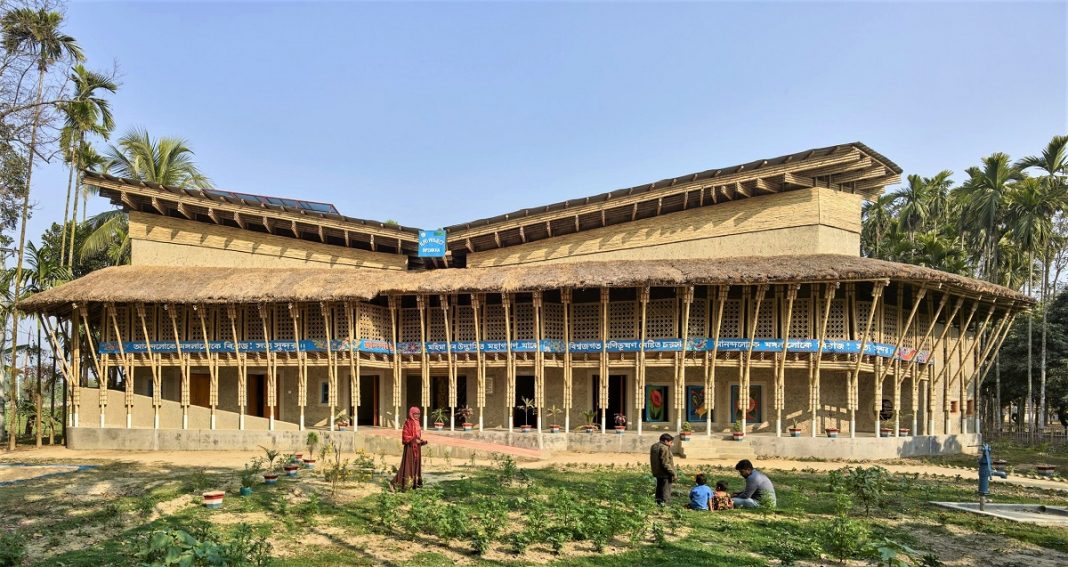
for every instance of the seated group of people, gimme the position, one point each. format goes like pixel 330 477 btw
pixel 758 491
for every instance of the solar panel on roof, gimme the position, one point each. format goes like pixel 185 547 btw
pixel 276 201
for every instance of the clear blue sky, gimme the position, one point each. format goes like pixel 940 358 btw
pixel 433 114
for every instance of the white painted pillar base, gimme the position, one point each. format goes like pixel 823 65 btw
pixel 155 417
pixel 853 424
pixel 639 428
pixel 302 418
pixel 185 418
pixel 270 421
pixel 74 418
pixel 213 418
pixel 480 419
pixel 567 422
pixel 333 412
pixel 452 418
pixel 425 412
pixel 708 423
pixel 241 420
pixel 778 426
pixel 129 419
pixel 604 421
pixel 102 410
pixel 541 441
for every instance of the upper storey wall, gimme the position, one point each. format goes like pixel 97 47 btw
pixel 807 221
pixel 165 241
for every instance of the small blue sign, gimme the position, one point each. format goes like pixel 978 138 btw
pixel 432 243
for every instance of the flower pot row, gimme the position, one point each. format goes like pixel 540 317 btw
pixel 440 426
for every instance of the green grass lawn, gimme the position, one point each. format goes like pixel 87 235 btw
pixel 1021 458
pixel 500 515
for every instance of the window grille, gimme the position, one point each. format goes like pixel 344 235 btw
pixel 765 327
pixel 314 325
pixel 463 323
pixel 283 323
pixel 435 324
pixel 660 319
pixel 340 321
pixel 553 320
pixel 890 323
pixel 731 324
pixel 863 308
pixel 251 323
pixel 122 317
pixel 163 322
pixel 150 323
pixel 195 332
pixel 801 319
pixel 836 320
pixel 523 316
pixel 374 322
pixel 622 320
pixel 493 326
pixel 698 318
pixel 409 328
pixel 585 324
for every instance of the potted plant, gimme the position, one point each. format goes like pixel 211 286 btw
pixel 465 417
pixel 737 431
pixel 527 405
pixel 905 431
pixel 832 432
pixel 1046 470
pixel 342 421
pixel 213 499
pixel 252 469
pixel 439 416
pixel 291 465
pixel 687 431
pixel 621 423
pixel 270 476
pixel 312 441
pixel 552 413
pixel 588 415
pixel 794 430
pixel 885 428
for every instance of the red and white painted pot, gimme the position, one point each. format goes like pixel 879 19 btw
pixel 738 435
pixel 794 432
pixel 214 499
pixel 438 426
pixel 685 435
pixel 832 433
pixel 1046 470
pixel 620 429
pixel 524 429
pixel 904 431
pixel 291 469
pixel 270 478
pixel 469 427
pixel 309 463
pixel 554 429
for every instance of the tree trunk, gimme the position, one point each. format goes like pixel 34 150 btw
pixel 1042 348
pixel 1030 363
pixel 74 219
pixel 21 255
pixel 997 385
pixel 66 212
pixel 52 405
pixel 38 396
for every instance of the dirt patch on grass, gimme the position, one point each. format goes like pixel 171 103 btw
pixel 959 546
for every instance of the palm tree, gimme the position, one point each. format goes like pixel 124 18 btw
pixel 879 219
pixel 35 33
pixel 984 197
pixel 45 271
pixel 1053 163
pixel 86 113
pixel 166 161
pixel 915 208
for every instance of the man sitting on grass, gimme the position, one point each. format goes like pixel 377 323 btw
pixel 758 488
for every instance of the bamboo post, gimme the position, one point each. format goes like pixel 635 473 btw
pixel 942 376
pixel 565 296
pixel 128 383
pixel 331 366
pixel 183 358
pixel 394 307
pixel 242 374
pixel 445 299
pixel 509 388
pixel 480 358
pixel 156 399
pixel 272 366
pixel 603 382
pixel 76 363
pixel 424 368
pixel 929 428
pixel 354 361
pixel 993 338
pixel 958 375
pixel 539 365
pixel 815 366
pixel 302 368
pixel 65 368
pixel 743 390
pixel 680 365
pixel 911 364
pixel 780 374
pixel 710 380
pixel 896 355
pixel 213 370
pixel 982 377
pixel 639 394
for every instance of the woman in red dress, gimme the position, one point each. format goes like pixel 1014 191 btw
pixel 410 472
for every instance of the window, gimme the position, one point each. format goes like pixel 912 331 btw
pixel 324 393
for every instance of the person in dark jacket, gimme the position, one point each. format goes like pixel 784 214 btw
pixel 663 467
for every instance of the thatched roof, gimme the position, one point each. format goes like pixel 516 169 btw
pixel 152 284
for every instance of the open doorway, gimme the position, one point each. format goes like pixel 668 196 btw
pixel 256 388
pixel 524 388
pixel 367 413
pixel 617 397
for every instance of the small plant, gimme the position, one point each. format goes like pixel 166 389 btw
pixel 335 470
pixel 844 538
pixel 589 416
pixel 271 455
pixel 465 413
pixel 620 420
pixel 312 441
pixel 737 427
pixel 203 547
pixel 439 416
pixel 251 471
pixel 527 405
pixel 12 548
pixel 341 420
pixel 687 427
pixel 551 413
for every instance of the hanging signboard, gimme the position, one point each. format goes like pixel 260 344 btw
pixel 431 243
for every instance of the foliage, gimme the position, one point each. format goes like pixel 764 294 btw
pixel 465 413
pixel 527 405
pixel 440 415
pixel 844 538
pixel 312 441
pixel 335 469
pixel 12 548
pixel 251 472
pixel 271 455
pixel 620 420
pixel 867 485
pixel 205 548
pixel 589 416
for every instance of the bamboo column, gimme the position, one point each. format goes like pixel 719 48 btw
pixel 354 363
pixel 603 382
pixel 993 338
pixel 242 373
pixel 911 364
pixel 509 388
pixel 943 375
pixel 680 359
pixel 445 299
pixel 895 357
pixel 815 364
pixel 153 364
pixel 480 358
pixel 958 375
pixel 394 313
pixel 302 367
pixel 172 311
pixel 710 379
pixel 424 367
pixel 929 428
pixel 565 297
pixel 639 386
pixel 213 369
pixel 539 364
pixel 331 360
pixel 272 365
pixel 128 382
pixel 780 374
pixel 98 364
pixel 982 376
pixel 64 367
pixel 743 390
pixel 76 363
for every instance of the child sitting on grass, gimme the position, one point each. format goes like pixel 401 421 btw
pixel 701 494
pixel 721 499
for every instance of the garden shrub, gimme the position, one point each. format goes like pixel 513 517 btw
pixel 179 547
pixel 12 549
pixel 867 485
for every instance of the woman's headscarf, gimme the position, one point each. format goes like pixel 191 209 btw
pixel 412 429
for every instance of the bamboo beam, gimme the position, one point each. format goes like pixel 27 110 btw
pixel 565 297
pixel 272 365
pixel 912 362
pixel 242 369
pixel 76 364
pixel 539 364
pixel 354 361
pixel 173 312
pixel 934 349
pixel 814 391
pixel 128 382
pixel 480 358
pixel 639 386
pixel 213 369
pixel 445 300
pixel 743 389
pixel 958 375
pixel 64 367
pixel 680 364
pixel 942 376
pixel 331 360
pixel 994 338
pixel 509 389
pixel 895 356
pixel 154 365
pixel 603 382
pixel 424 368
pixel 302 366
pixel 394 307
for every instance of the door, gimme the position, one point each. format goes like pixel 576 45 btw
pixel 200 390
pixel 367 413
pixel 257 395
pixel 617 398
pixel 524 388
pixel 413 392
